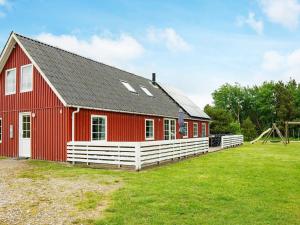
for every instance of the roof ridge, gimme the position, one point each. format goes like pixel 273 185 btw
pixel 75 54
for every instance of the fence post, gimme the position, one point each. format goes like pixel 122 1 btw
pixel 138 156
pixel 73 154
pixel 222 142
pixel 119 157
pixel 87 155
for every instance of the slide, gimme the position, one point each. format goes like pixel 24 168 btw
pixel 260 136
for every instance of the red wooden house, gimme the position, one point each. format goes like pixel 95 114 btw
pixel 49 96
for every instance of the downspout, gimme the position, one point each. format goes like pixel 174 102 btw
pixel 73 123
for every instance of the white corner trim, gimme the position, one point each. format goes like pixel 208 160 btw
pixel 39 69
pixel 9 46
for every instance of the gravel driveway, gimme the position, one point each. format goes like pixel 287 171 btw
pixel 48 200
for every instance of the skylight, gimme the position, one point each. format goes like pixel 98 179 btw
pixel 128 86
pixel 147 91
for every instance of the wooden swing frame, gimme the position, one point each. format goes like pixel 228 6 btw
pixel 287 133
pixel 275 129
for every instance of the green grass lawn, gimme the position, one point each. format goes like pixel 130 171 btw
pixel 252 184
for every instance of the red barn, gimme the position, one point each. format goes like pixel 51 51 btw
pixel 50 96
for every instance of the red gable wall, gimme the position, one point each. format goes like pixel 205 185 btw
pixel 49 126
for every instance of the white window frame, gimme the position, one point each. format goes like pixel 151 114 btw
pixel 147 92
pixel 21 77
pixel 91 131
pixel 169 121
pixel 5 88
pixel 1 133
pixel 128 86
pixel 194 133
pixel 203 125
pixel 187 130
pixel 153 126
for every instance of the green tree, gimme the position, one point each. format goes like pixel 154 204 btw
pixel 285 108
pixel 264 105
pixel 248 130
pixel 222 121
pixel 230 98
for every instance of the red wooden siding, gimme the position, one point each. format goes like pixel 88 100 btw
pixel 122 126
pixel 49 126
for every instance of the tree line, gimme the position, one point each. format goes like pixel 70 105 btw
pixel 251 110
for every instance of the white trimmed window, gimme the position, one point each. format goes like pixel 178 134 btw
pixel 98 128
pixel 195 130
pixel 147 92
pixel 26 80
pixel 203 130
pixel 10 81
pixel 149 129
pixel 170 129
pixel 128 86
pixel 0 130
pixel 186 130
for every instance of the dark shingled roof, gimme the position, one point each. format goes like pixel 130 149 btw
pixel 83 82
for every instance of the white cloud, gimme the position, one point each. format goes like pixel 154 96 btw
pixel 112 51
pixel 2 2
pixel 272 61
pixel 169 37
pixel 256 25
pixel 282 66
pixel 284 12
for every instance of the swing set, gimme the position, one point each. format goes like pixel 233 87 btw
pixel 267 134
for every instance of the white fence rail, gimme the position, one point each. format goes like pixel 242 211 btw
pixel 137 154
pixel 232 141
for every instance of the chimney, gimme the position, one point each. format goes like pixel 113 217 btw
pixel 153 78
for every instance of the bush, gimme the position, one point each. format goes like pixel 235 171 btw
pixel 235 128
pixel 248 130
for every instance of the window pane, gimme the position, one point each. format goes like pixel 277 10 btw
pixel 195 130
pixel 149 129
pixel 10 82
pixel 185 134
pixel 128 86
pixel 203 130
pixel 95 136
pixel 98 128
pixel 102 136
pixel 26 78
pixel 102 129
pixel 167 131
pixel 147 91
pixel 173 130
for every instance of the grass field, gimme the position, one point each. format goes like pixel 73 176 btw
pixel 252 184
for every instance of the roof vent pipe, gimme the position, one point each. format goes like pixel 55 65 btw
pixel 154 78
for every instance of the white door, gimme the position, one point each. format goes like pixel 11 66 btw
pixel 25 134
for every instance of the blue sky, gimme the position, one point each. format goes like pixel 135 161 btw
pixel 192 45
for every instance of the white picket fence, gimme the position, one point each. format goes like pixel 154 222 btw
pixel 231 141
pixel 136 154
